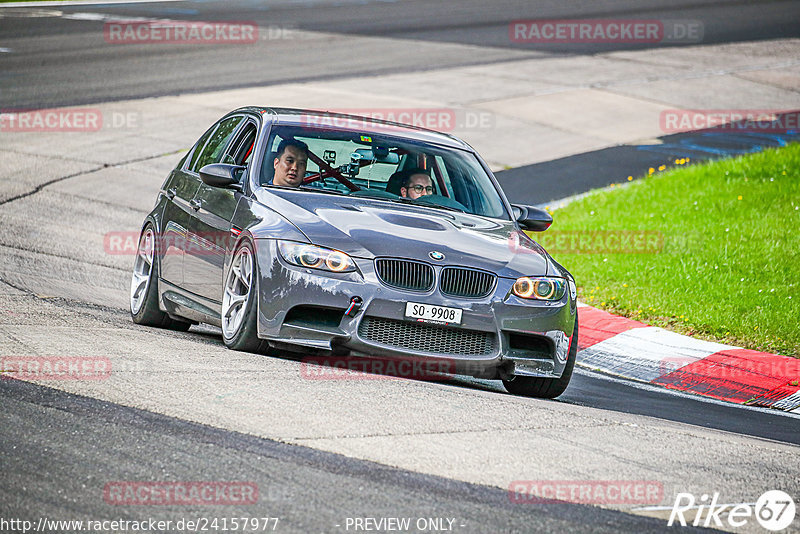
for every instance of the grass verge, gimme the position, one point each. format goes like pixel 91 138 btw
pixel 711 250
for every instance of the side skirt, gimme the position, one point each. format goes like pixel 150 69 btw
pixel 187 305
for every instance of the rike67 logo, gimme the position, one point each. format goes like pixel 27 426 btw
pixel 774 510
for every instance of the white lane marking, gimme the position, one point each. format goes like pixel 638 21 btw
pixel 81 3
pixel 5 50
pixel 677 393
pixel 104 17
pixel 647 353
pixel 30 14
pixel 86 16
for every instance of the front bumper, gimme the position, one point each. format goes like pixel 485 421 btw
pixel 306 308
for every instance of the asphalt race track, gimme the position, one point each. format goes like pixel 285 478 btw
pixel 181 407
pixel 309 490
pixel 62 61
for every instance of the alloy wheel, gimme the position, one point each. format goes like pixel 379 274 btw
pixel 142 269
pixel 237 290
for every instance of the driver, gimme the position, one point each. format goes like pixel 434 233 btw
pixel 290 163
pixel 416 184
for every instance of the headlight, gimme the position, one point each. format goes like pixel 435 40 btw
pixel 543 288
pixel 314 257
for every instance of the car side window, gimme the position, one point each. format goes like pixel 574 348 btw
pixel 240 151
pixel 213 151
pixel 198 147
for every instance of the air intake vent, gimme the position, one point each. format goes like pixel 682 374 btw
pixel 467 283
pixel 405 274
pixel 420 337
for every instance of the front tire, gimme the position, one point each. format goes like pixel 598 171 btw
pixel 546 388
pixel 144 286
pixel 239 315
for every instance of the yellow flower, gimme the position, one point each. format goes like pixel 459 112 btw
pixel 740 197
pixel 630 178
pixel 651 170
pixel 624 285
pixel 662 167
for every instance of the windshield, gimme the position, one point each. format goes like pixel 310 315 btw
pixel 385 168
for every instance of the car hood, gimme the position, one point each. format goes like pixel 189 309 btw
pixel 368 228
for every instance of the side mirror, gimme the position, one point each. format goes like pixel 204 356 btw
pixel 533 219
pixel 222 175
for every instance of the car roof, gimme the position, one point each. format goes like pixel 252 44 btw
pixel 343 121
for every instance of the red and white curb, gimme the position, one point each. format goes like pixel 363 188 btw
pixel 630 349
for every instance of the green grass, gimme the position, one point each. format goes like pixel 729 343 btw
pixel 729 268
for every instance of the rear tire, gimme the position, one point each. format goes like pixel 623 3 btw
pixel 144 286
pixel 546 388
pixel 239 314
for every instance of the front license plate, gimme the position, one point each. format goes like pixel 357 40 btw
pixel 433 314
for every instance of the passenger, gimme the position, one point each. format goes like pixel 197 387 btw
pixel 290 163
pixel 417 184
